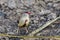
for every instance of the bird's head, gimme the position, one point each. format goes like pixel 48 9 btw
pixel 28 13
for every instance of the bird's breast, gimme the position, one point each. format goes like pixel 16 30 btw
pixel 23 22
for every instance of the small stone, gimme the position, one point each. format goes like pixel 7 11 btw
pixel 2 1
pixel 2 29
pixel 35 21
pixel 50 4
pixel 55 5
pixel 18 10
pixel 11 4
pixel 45 12
pixel 28 2
pixel 10 33
pixel 53 26
pixel 51 16
pixel 42 18
pixel 48 0
pixel 21 39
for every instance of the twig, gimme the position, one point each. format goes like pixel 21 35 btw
pixel 42 27
pixel 7 35
pixel 57 21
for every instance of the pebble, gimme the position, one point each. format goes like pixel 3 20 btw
pixel 2 30
pixel 2 1
pixel 50 5
pixel 45 12
pixel 51 16
pixel 10 33
pixel 11 4
pixel 28 2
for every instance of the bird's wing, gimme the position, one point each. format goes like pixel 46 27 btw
pixel 21 22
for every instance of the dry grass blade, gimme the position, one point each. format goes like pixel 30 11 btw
pixel 42 27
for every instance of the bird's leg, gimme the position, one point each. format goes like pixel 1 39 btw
pixel 18 30
pixel 26 29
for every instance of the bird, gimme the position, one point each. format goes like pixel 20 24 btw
pixel 24 21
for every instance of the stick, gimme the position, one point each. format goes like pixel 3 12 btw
pixel 42 27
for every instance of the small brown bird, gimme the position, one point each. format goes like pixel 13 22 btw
pixel 24 21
